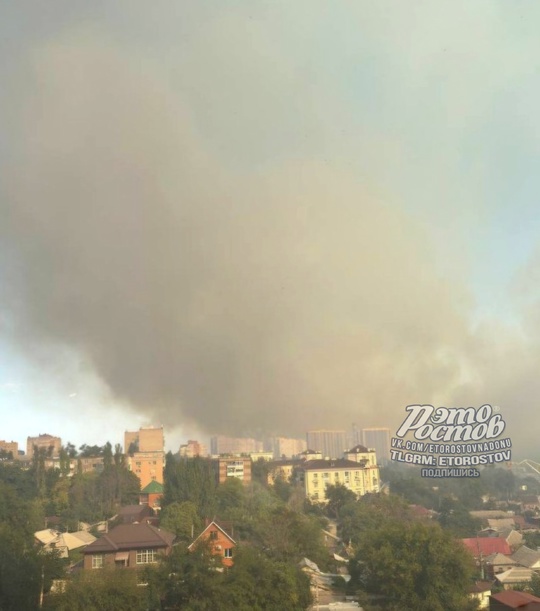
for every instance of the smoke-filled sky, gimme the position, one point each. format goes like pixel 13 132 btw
pixel 256 217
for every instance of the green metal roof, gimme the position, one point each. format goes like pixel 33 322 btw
pixel 153 487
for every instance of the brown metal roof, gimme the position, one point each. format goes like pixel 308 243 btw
pixel 131 536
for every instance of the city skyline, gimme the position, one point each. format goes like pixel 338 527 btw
pixel 265 218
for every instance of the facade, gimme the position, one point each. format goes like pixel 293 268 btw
pixel 368 458
pixel 193 448
pixel 219 444
pixel 255 456
pixel 288 448
pixel 331 444
pixel 317 474
pixel 147 466
pixel 44 441
pixel 222 543
pixel 10 446
pixel 379 439
pixel 151 495
pixel 282 469
pixel 131 546
pixel 234 466
pixel 148 459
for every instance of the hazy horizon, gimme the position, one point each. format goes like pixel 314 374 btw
pixel 261 218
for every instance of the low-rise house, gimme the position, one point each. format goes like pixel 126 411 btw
pixel 481 592
pixel 129 546
pixel 151 495
pixel 63 542
pixel 530 502
pixel 482 547
pixel 131 514
pixel 527 557
pixel 509 600
pixel 516 576
pixel 497 563
pixel 221 541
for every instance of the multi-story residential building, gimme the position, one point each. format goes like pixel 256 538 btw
pixel 367 457
pixel 48 442
pixel 193 448
pixel 148 460
pixel 288 448
pixel 379 439
pixel 331 444
pixel 282 469
pixel 10 446
pixel 233 466
pixel 147 466
pixel 219 444
pixel 317 474
pixel 255 456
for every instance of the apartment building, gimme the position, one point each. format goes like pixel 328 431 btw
pixel 10 446
pixel 49 443
pixel 379 439
pixel 285 447
pixel 331 444
pixel 317 474
pixel 220 444
pixel 146 457
pixel 193 448
pixel 233 466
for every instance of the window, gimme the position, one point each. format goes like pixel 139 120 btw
pixel 214 535
pixel 97 561
pixel 146 556
pixel 227 553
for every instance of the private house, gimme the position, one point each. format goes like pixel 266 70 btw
pixel 151 495
pixel 128 546
pixel 317 474
pixel 221 542
pixel 527 557
pixel 517 576
pixel 64 543
pixel 131 514
pixel 482 547
pixel 481 591
pixel 509 600
pixel 497 563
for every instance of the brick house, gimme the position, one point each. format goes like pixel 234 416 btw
pixel 222 543
pixel 128 546
pixel 151 495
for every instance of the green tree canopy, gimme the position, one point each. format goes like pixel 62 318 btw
pixel 413 566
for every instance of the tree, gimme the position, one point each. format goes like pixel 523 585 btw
pixel 413 567
pixel 106 589
pixel 369 513
pixel 190 479
pixel 188 580
pixel 338 495
pixel 257 582
pixel 181 519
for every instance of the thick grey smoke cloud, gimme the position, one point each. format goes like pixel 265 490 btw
pixel 241 298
